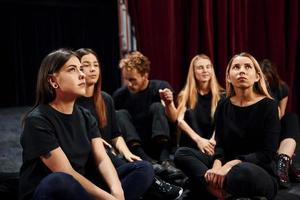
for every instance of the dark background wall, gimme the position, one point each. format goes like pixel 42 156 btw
pixel 31 29
pixel 169 32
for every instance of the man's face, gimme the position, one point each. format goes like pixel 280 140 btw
pixel 134 81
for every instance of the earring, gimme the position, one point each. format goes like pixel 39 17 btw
pixel 55 85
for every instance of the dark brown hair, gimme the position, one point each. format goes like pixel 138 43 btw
pixel 98 99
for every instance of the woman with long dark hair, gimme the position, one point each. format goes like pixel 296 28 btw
pixel 62 148
pixel 279 90
pixel 102 107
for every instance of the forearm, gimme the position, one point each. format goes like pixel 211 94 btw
pixel 92 189
pixel 171 111
pixel 231 163
pixel 188 130
pixel 120 145
pixel 109 173
pixel 217 164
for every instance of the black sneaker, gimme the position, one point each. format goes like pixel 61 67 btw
pixel 163 190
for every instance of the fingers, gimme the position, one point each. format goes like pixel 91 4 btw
pixel 136 158
pixel 106 143
pixel 212 142
pixel 209 149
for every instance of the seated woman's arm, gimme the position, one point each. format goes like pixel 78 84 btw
pixel 107 169
pixel 204 145
pixel 121 146
pixel 57 161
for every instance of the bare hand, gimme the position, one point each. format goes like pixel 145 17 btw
pixel 131 157
pixel 216 176
pixel 166 95
pixel 206 146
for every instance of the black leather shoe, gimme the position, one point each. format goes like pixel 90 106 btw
pixel 294 173
pixel 172 172
pixel 158 168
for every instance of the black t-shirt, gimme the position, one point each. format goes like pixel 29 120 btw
pixel 138 104
pixel 248 133
pixel 46 129
pixel 111 130
pixel 278 93
pixel 202 123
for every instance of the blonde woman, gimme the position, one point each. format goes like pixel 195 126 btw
pixel 247 133
pixel 197 103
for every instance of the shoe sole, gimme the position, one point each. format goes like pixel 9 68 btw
pixel 180 194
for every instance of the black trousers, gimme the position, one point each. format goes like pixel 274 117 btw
pixel 289 126
pixel 243 180
pixel 143 130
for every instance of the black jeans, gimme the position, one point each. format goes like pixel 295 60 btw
pixel 289 126
pixel 243 180
pixel 135 177
pixel 146 130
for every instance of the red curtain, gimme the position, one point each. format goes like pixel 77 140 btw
pixel 171 32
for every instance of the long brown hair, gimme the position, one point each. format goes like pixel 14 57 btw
pixel 98 98
pixel 260 87
pixel 188 95
pixel 51 64
pixel 271 74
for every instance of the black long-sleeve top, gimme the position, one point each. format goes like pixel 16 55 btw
pixel 250 133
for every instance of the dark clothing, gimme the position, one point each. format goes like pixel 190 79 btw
pixel 289 121
pixel 243 180
pixel 141 116
pixel 159 127
pixel 139 174
pixel 278 93
pixel 249 133
pixel 60 186
pixel 138 104
pixel 158 123
pixel 200 120
pixel 111 130
pixel 289 126
pixel 45 130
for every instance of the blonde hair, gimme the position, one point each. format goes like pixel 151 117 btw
pixel 187 97
pixel 135 60
pixel 259 87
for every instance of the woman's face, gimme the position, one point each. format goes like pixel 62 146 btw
pixel 203 70
pixel 70 79
pixel 242 73
pixel 91 68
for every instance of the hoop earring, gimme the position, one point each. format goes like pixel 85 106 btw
pixel 55 85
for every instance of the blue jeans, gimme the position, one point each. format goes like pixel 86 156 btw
pixel 135 177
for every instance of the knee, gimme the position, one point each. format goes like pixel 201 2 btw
pixel 146 168
pixel 59 178
pixel 58 181
pixel 181 154
pixel 122 113
pixel 245 173
pixel 157 107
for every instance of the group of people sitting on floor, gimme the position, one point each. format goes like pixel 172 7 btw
pixel 80 143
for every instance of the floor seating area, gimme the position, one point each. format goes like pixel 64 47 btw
pixel 10 155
